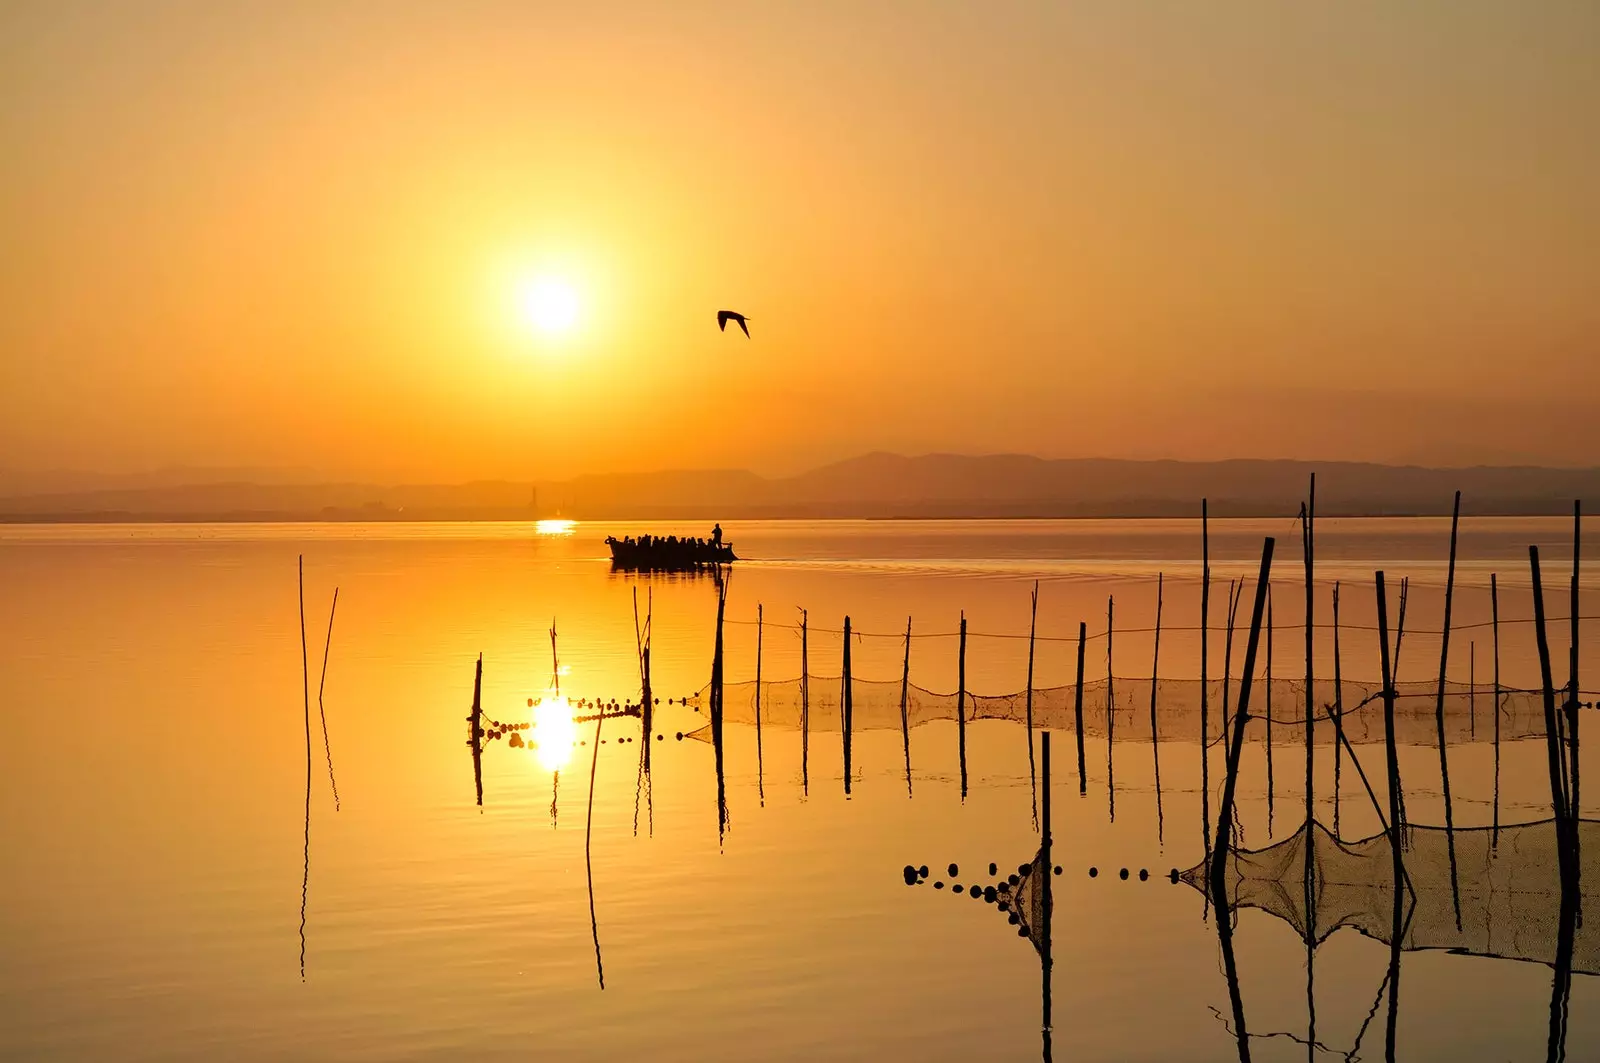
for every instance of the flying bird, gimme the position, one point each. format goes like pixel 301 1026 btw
pixel 725 316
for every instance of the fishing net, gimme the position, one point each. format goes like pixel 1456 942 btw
pixel 877 705
pixel 1031 898
pixel 1497 894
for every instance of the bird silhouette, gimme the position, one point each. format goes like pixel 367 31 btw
pixel 725 316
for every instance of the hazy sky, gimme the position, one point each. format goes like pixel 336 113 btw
pixel 296 234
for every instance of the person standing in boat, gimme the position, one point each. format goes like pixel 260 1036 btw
pixel 716 537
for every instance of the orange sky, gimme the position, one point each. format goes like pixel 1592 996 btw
pixel 288 234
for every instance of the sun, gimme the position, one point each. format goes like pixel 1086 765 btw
pixel 548 305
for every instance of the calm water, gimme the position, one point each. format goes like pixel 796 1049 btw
pixel 155 764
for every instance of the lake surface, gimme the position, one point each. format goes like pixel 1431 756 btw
pixel 155 826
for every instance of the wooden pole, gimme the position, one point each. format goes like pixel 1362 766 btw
pixel 905 706
pixel 761 789
pixel 1338 708
pixel 717 707
pixel 476 729
pixel 1045 876
pixel 1271 785
pixel 1311 617
pixel 961 704
pixel 805 708
pixel 1033 622
pixel 588 823
pixel 849 706
pixel 1235 590
pixel 646 698
pixel 1552 724
pixel 1444 757
pixel 1083 777
pixel 1393 767
pixel 1155 732
pixel 1219 857
pixel 305 683
pixel 1572 680
pixel 1494 606
pixel 1205 640
pixel 1111 718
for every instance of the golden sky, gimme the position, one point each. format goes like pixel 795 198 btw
pixel 295 233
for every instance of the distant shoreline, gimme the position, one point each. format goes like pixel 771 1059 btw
pixel 1216 512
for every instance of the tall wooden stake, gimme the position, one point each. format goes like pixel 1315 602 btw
pixel 905 706
pixel 1444 757
pixel 761 789
pixel 805 708
pixel 1338 708
pixel 1494 606
pixel 475 730
pixel 1559 777
pixel 1155 732
pixel 1271 786
pixel 1311 617
pixel 1077 711
pixel 1572 692
pixel 1219 857
pixel 961 705
pixel 1393 764
pixel 1205 684
pixel 1033 622
pixel 1111 716
pixel 849 706
pixel 1045 877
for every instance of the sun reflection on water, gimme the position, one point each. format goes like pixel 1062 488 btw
pixel 554 527
pixel 554 732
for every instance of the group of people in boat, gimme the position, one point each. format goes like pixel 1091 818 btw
pixel 672 542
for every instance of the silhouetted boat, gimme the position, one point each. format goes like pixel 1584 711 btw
pixel 658 553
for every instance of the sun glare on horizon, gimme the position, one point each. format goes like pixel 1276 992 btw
pixel 548 305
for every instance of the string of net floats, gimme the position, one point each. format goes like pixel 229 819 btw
pixel 1503 900
pixel 1122 706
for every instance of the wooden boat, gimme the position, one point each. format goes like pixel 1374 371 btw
pixel 667 553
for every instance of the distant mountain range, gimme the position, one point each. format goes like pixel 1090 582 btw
pixel 874 485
